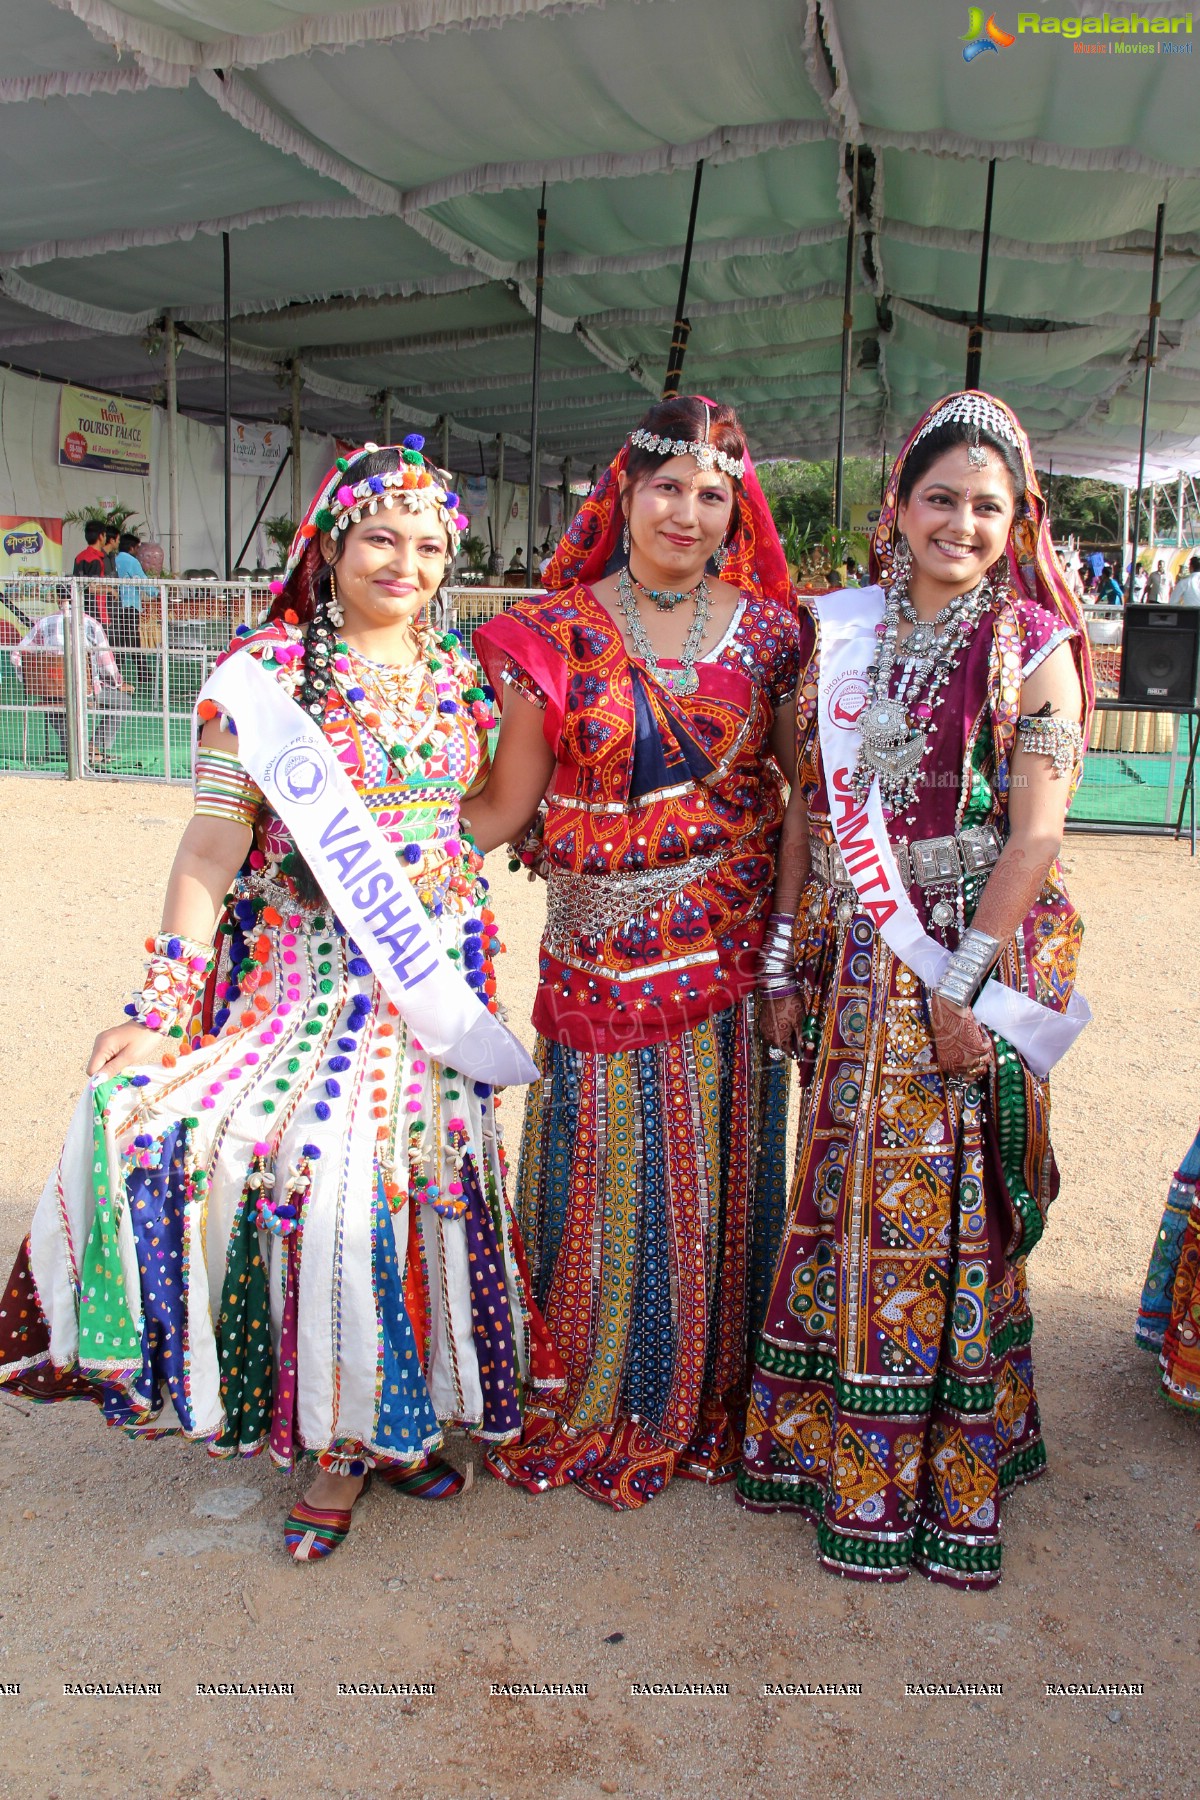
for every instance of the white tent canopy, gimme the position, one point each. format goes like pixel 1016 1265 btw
pixel 379 171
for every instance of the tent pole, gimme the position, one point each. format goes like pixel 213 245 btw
pixel 679 336
pixel 1151 353
pixel 882 473
pixel 1179 513
pixel 535 461
pixel 173 451
pixel 498 542
pixel 446 441
pixel 847 339
pixel 975 334
pixel 297 487
pixel 228 406
pixel 387 415
pixel 566 491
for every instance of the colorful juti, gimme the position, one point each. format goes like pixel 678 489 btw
pixel 295 1235
pixel 893 1399
pixel 651 1180
pixel 1168 1321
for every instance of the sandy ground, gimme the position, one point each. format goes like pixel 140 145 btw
pixel 152 1562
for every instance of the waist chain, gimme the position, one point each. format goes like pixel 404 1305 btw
pixel 925 862
pixel 589 905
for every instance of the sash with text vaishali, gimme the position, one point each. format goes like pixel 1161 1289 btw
pixel 357 870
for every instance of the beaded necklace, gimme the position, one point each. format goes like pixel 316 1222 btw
pixel 896 727
pixel 667 599
pixel 684 680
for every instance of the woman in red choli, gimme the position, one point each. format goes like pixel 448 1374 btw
pixel 651 694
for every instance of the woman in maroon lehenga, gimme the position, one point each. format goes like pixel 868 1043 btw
pixel 938 740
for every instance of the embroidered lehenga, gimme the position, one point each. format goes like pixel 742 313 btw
pixel 893 1399
pixel 153 1281
pixel 651 1178
pixel 1168 1321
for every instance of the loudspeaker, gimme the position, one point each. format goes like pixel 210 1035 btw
pixel 1160 658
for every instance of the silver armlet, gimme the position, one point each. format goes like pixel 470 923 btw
pixel 969 967
pixel 1059 739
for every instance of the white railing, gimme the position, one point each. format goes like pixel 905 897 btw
pixel 89 686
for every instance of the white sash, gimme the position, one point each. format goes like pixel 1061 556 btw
pixel 848 620
pixel 357 870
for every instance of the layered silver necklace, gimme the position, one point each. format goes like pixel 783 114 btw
pixel 684 680
pixel 896 727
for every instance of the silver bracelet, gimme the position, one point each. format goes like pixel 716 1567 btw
pixel 969 967
pixel 1059 739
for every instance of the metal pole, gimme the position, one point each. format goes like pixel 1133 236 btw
pixel 882 474
pixel 297 485
pixel 679 336
pixel 164 691
pixel 975 334
pixel 173 557
pixel 1151 353
pixel 446 442
pixel 1179 513
pixel 387 415
pixel 498 540
pixel 847 339
pixel 73 716
pixel 535 462
pixel 228 411
pixel 275 479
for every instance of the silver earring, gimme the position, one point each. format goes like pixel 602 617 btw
pixel 626 544
pixel 902 561
pixel 334 611
pixel 720 557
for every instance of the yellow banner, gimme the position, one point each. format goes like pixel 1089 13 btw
pixel 30 546
pixel 98 431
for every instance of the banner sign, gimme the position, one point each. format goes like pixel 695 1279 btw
pixel 257 449
pixel 30 546
pixel 98 431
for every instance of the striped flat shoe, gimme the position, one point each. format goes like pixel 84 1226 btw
pixel 433 1479
pixel 311 1533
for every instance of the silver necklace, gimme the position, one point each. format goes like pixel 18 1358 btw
pixel 667 599
pixel 683 680
pixel 896 728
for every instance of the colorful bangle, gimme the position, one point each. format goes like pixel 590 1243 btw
pixel 175 974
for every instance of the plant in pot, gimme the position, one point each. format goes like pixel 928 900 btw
pixel 280 531
pixel 476 552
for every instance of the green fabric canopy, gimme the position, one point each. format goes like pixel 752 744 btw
pixel 379 171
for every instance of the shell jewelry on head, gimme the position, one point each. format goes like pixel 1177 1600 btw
pixel 415 486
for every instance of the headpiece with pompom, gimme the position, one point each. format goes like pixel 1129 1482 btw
pixel 415 485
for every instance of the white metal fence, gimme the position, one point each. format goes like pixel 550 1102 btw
pixel 99 678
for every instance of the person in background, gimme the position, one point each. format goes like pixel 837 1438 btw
pixel 1109 593
pixel 110 544
pixel 1158 585
pixel 852 577
pixel 1186 591
pixel 1140 580
pixel 90 561
pixel 109 693
pixel 126 617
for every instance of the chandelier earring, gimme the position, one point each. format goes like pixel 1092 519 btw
pixel 902 561
pixel 334 608
pixel 626 541
pixel 720 557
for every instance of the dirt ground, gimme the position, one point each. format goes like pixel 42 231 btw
pixel 153 1563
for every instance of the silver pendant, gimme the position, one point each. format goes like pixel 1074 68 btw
pixel 943 914
pixel 684 682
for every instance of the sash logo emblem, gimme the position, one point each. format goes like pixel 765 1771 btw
pixel 847 698
pixel 302 776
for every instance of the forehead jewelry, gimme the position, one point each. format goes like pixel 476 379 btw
pixel 971 409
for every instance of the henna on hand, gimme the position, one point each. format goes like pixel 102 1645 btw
pixel 963 1046
pixel 779 1021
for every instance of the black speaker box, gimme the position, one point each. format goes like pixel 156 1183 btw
pixel 1160 658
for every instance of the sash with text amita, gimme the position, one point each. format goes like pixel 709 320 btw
pixel 359 874
pixel 848 620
